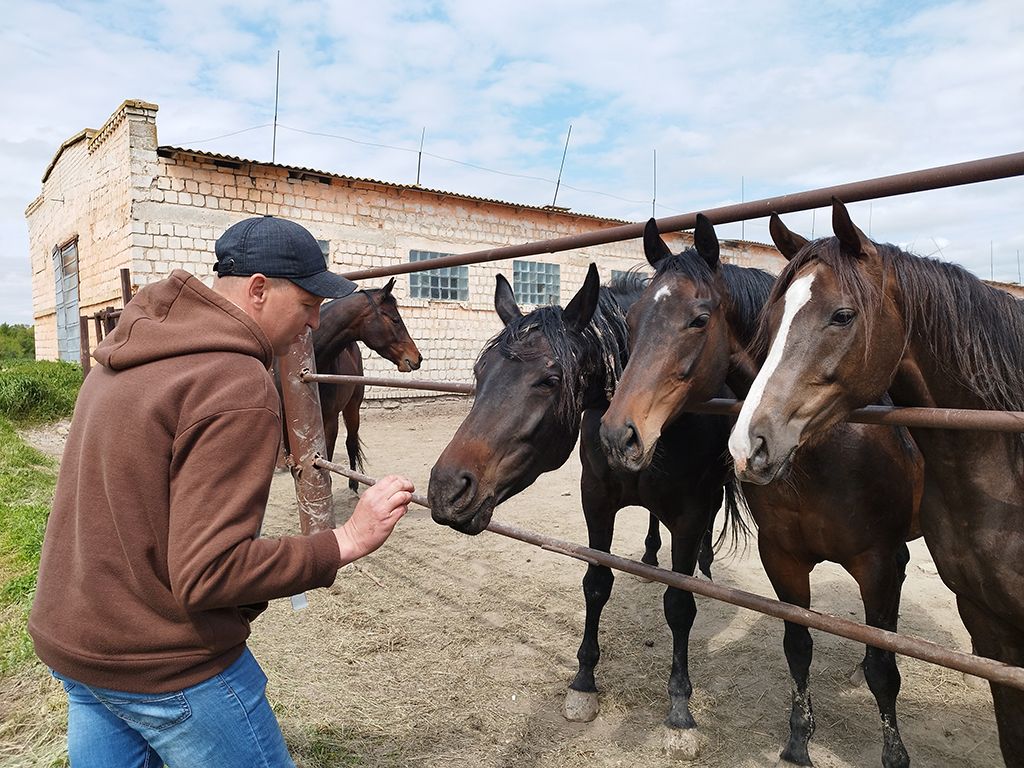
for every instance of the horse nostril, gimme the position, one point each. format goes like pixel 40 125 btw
pixel 631 439
pixel 759 453
pixel 463 489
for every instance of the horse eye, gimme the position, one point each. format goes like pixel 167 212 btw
pixel 551 382
pixel 700 321
pixel 842 317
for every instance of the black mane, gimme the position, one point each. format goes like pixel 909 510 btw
pixel 597 354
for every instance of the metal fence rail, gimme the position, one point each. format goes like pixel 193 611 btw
pixel 925 650
pixel 939 418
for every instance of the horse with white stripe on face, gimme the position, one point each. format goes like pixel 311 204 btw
pixel 850 318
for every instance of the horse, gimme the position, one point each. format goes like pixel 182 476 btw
pixel 543 382
pixel 370 316
pixel 688 333
pixel 850 318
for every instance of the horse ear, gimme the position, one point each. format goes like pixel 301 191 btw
pixel 654 247
pixel 788 242
pixel 580 311
pixel 389 286
pixel 851 239
pixel 505 301
pixel 706 241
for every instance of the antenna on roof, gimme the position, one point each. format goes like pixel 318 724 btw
pixel 654 199
pixel 277 90
pixel 419 160
pixel 554 200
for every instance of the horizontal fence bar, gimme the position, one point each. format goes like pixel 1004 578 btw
pixel 907 416
pixel 925 650
pixel 989 169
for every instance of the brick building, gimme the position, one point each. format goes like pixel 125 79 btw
pixel 113 198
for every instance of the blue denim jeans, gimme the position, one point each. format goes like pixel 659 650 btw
pixel 225 721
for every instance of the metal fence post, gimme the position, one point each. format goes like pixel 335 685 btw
pixel 305 428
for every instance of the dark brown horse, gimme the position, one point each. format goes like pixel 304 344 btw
pixel 543 382
pixel 849 318
pixel 688 333
pixel 370 316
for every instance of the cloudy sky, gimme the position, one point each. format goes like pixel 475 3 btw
pixel 737 100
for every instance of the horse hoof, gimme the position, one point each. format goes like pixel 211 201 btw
pixel 581 706
pixel 683 743
pixel 796 755
pixel 857 676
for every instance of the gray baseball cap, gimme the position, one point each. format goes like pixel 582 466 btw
pixel 278 248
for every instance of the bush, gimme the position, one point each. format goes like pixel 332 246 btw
pixel 38 390
pixel 17 342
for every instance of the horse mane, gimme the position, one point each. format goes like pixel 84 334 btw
pixel 597 352
pixel 747 288
pixel 973 329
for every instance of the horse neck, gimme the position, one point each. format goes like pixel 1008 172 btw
pixel 341 324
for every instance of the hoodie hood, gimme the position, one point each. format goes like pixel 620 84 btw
pixel 160 323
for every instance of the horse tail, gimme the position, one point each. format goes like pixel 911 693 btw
pixel 734 528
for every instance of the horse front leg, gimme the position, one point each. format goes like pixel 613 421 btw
pixel 652 543
pixel 791 581
pixel 682 740
pixel 881 582
pixel 995 639
pixel 581 701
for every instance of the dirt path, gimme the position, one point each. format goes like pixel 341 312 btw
pixel 448 650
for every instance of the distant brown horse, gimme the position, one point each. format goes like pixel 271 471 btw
pixel 847 319
pixel 543 383
pixel 688 335
pixel 370 316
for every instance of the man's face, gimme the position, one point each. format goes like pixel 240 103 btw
pixel 286 312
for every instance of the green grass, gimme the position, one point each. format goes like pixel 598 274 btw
pixel 31 392
pixel 36 391
pixel 27 480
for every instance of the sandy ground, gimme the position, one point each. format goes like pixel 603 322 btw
pixel 447 650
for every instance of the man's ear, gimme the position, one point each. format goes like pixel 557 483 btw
pixel 256 289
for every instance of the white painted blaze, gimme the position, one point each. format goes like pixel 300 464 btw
pixel 797 295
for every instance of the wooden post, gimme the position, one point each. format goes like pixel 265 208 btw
pixel 126 287
pixel 83 345
pixel 304 423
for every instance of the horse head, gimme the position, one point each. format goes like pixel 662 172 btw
pixel 384 331
pixel 679 344
pixel 525 417
pixel 833 336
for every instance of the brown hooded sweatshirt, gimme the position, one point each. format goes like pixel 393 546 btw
pixel 152 545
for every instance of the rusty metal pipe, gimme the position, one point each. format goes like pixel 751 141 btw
pixel 925 650
pixel 937 418
pixel 971 172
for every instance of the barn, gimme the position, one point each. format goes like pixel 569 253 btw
pixel 115 199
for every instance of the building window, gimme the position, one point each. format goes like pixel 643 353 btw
pixel 446 283
pixel 325 249
pixel 65 276
pixel 535 282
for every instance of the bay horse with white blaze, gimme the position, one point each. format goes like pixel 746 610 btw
pixel 543 382
pixel 849 318
pixel 688 335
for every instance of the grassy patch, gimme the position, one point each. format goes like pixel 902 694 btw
pixel 38 390
pixel 27 480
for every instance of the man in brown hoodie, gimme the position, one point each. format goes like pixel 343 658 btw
pixel 152 565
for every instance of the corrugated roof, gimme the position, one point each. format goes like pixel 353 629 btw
pixel 167 150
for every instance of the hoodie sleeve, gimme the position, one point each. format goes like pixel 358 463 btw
pixel 220 481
